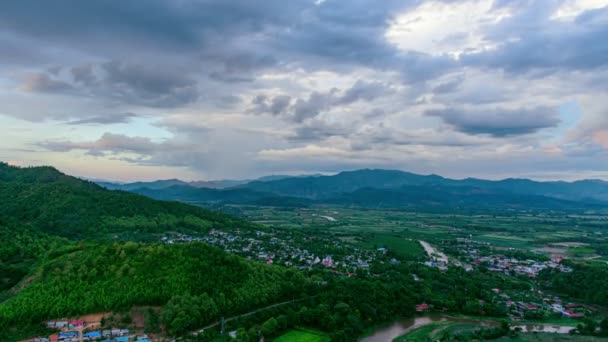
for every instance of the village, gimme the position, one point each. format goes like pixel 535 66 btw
pixel 82 331
pixel 471 256
pixel 282 248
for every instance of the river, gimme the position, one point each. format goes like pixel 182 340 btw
pixel 389 332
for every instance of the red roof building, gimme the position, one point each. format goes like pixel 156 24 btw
pixel 77 323
pixel 54 338
pixel 422 307
pixel 574 314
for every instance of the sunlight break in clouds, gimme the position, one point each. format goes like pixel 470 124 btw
pixel 437 27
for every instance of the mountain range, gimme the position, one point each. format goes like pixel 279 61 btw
pixel 376 188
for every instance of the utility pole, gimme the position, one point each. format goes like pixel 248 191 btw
pixel 222 330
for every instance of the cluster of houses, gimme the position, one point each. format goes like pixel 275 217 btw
pixel 509 266
pixel 519 308
pixel 280 248
pixel 72 331
pixel 504 264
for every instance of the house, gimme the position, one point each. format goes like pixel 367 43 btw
pixel 61 324
pixel 122 339
pixel 572 314
pixel 76 323
pixel 68 334
pixel 422 307
pixel 327 261
pixel 531 307
pixel 93 334
pixel 50 324
pixel 54 338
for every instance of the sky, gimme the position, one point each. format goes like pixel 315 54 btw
pixel 219 89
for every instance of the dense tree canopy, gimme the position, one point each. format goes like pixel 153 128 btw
pixel 46 200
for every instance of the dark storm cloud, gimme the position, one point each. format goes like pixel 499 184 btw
pixel 498 122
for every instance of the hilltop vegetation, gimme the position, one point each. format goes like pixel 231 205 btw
pixel 48 201
pixel 55 260
pixel 115 277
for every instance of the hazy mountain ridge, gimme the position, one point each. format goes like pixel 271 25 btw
pixel 399 189
pixel 166 183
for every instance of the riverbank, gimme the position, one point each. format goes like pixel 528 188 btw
pixel 437 324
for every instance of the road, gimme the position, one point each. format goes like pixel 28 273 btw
pixel 433 253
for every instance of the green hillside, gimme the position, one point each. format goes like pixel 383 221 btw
pixel 115 277
pixel 48 201
pixel 58 258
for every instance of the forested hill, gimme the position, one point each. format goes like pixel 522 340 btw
pixel 195 284
pixel 44 199
pixel 56 259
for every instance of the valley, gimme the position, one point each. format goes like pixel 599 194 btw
pixel 160 270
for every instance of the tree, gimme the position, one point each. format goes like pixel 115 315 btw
pixel 269 328
pixel 604 327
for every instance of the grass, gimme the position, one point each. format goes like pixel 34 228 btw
pixel 302 335
pixel 393 228
pixel 407 249
pixel 435 330
pixel 581 250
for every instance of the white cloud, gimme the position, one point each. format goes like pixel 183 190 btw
pixel 437 27
pixel 571 8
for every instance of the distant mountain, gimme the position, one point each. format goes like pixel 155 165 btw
pixel 319 187
pixel 159 184
pixel 346 182
pixel 389 189
pixel 396 189
pixel 455 198
pixel 193 195
pixel 163 184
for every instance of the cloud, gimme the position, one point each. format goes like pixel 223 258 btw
pixel 302 109
pixel 108 143
pixel 105 119
pixel 498 122
pixel 45 84
pixel 344 83
pixel 122 82
pixel 533 40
